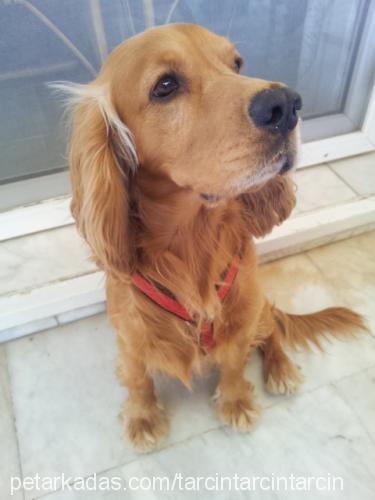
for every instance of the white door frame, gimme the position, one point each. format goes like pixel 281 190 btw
pixel 342 146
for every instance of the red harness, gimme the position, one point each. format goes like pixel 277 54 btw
pixel 206 336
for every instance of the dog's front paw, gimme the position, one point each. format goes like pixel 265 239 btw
pixel 241 413
pixel 145 432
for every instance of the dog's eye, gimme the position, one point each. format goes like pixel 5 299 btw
pixel 165 86
pixel 238 62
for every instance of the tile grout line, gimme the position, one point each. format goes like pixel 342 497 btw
pixel 354 374
pixel 344 181
pixel 356 196
pixel 14 421
pixel 338 294
pixel 315 264
pixel 347 402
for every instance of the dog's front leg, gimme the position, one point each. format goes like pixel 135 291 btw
pixel 146 421
pixel 234 395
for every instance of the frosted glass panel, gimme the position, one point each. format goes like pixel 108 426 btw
pixel 312 45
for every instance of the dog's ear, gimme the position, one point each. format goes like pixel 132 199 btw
pixel 102 160
pixel 269 206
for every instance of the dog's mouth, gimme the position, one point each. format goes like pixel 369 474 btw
pixel 280 164
pixel 287 164
pixel 212 198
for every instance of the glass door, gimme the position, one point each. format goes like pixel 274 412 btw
pixel 323 48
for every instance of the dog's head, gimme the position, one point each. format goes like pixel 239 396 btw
pixel 172 101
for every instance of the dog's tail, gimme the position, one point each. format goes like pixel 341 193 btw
pixel 306 329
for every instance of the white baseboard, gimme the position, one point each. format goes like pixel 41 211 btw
pixel 318 228
pixel 60 302
pixel 35 218
pixel 53 300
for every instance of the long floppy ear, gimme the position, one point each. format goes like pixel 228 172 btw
pixel 269 206
pixel 102 160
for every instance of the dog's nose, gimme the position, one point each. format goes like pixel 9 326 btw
pixel 275 110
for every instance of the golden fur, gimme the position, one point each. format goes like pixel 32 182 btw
pixel 138 170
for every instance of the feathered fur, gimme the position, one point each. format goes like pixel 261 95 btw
pixel 162 200
pixel 304 330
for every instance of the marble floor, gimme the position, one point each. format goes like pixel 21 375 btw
pixel 59 404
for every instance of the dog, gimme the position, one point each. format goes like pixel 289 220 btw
pixel 177 162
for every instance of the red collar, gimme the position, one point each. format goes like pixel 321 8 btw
pixel 207 340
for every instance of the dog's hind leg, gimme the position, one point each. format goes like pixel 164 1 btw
pixel 281 374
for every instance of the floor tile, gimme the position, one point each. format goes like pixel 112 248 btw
pixel 339 359
pixel 67 401
pixel 9 462
pixel 297 437
pixel 296 285
pixel 319 187
pixel 350 261
pixel 358 172
pixel 41 258
pixel 359 393
pixel 349 266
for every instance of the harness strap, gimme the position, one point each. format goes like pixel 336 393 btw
pixel 171 305
pixel 160 298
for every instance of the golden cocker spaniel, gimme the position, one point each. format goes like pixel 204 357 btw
pixel 177 162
